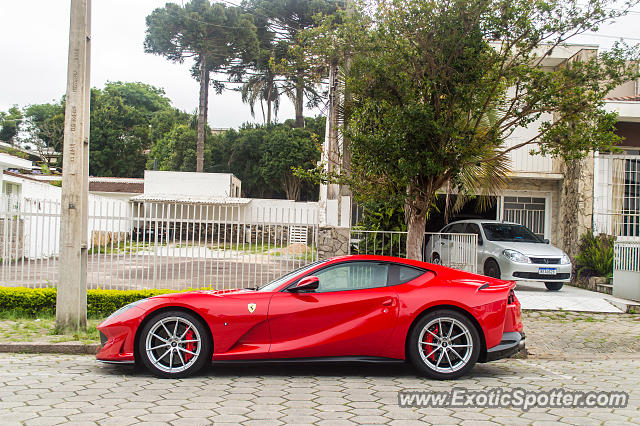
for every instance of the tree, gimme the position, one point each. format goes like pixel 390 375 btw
pixel 10 122
pixel 426 76
pixel 287 20
pixel 121 116
pixel 284 149
pixel 44 125
pixel 215 36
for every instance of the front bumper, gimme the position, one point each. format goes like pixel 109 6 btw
pixel 511 343
pixel 531 271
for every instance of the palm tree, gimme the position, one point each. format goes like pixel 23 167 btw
pixel 264 88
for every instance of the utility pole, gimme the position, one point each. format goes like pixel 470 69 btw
pixel 71 301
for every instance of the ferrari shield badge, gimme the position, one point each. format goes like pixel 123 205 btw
pixel 251 307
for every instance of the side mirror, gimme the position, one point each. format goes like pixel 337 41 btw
pixel 480 242
pixel 307 283
pixel 546 241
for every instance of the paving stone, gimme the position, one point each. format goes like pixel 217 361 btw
pixel 341 396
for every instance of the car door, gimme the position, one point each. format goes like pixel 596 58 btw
pixel 352 313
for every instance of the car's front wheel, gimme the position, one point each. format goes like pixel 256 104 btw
pixel 553 286
pixel 492 269
pixel 444 344
pixel 174 344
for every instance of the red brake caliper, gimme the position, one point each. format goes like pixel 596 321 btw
pixel 191 346
pixel 429 348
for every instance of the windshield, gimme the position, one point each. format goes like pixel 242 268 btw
pixel 509 232
pixel 279 281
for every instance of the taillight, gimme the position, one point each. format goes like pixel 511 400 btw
pixel 511 299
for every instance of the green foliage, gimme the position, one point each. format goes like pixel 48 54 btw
pixel 121 114
pixel 263 158
pixel 595 255
pixel 45 126
pixel 42 301
pixel 10 122
pixel 283 149
pixel 14 152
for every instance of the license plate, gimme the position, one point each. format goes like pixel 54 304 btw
pixel 547 271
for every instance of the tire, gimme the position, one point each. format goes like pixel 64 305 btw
pixel 492 269
pixel 554 286
pixel 444 362
pixel 435 259
pixel 174 344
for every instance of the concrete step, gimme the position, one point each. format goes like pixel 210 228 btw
pixel 604 288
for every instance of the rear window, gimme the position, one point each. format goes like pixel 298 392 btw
pixel 400 274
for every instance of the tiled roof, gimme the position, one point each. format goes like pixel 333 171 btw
pixel 122 186
pixel 624 98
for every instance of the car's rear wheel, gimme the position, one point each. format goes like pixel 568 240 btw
pixel 174 344
pixel 444 344
pixel 554 286
pixel 435 259
pixel 492 269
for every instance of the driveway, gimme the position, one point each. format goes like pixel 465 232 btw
pixel 535 296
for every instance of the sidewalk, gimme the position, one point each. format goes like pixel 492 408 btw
pixel 535 296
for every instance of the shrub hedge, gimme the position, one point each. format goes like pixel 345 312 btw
pixel 42 301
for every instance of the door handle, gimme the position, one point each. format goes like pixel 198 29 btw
pixel 388 302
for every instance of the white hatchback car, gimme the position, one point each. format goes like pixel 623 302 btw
pixel 508 251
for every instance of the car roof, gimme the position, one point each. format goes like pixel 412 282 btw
pixel 482 221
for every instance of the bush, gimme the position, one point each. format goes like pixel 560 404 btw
pixel 595 256
pixel 42 301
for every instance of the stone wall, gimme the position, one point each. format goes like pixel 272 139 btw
pixel 333 242
pixel 576 203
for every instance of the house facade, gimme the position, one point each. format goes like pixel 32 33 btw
pixel 561 200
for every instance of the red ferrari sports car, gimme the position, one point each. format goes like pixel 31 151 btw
pixel 367 308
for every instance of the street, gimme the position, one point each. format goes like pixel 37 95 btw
pixel 51 389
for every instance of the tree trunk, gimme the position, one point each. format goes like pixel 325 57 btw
pixel 416 209
pixel 269 112
pixel 202 112
pixel 291 186
pixel 299 104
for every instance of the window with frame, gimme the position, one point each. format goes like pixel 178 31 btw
pixel 352 276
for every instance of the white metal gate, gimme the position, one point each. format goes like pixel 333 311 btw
pixel 159 244
pixel 626 269
pixel 459 251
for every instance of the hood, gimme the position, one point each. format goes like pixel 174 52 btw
pixel 531 249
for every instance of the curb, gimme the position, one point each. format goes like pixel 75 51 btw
pixel 70 348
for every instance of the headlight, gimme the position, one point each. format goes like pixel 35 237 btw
pixel 565 259
pixel 126 308
pixel 516 256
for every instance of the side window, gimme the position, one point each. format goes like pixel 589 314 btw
pixel 473 228
pixel 457 228
pixel 399 274
pixel 352 276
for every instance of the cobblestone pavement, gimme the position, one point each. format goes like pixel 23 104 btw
pixel 575 335
pixel 51 389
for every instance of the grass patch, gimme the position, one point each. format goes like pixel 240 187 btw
pixel 18 326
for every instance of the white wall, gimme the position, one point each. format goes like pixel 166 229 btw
pixel 188 184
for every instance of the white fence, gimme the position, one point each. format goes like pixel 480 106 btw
pixel 159 244
pixel 457 251
pixel 626 269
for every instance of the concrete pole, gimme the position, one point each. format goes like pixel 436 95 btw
pixel 71 302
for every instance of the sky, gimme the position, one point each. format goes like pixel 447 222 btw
pixel 34 43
